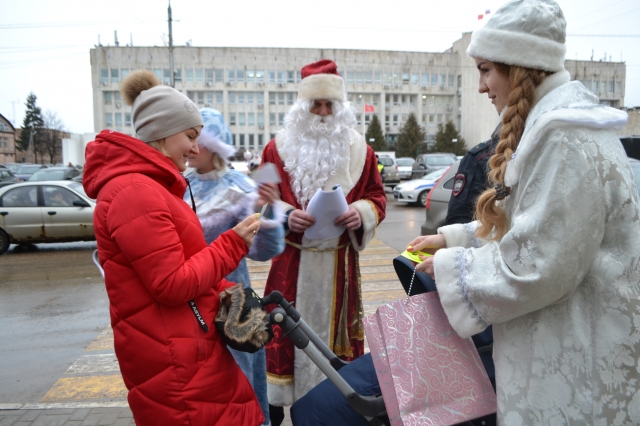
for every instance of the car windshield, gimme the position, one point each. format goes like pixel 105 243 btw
pixel 434 175
pixel 441 160
pixel 404 162
pixel 635 166
pixel 48 175
pixel 79 188
pixel 29 169
pixel 386 161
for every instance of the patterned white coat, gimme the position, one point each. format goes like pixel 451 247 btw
pixel 562 287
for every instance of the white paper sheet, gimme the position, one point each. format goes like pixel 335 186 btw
pixel 267 173
pixel 326 207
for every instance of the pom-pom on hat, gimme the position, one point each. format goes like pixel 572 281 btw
pixel 158 111
pixel 215 135
pixel 320 80
pixel 527 33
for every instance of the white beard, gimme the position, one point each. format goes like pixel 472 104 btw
pixel 316 148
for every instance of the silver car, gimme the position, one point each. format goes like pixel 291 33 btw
pixel 390 169
pixel 404 167
pixel 438 201
pixel 45 212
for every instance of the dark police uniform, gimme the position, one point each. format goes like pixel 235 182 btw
pixel 471 180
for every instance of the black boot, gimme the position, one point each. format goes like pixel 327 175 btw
pixel 276 415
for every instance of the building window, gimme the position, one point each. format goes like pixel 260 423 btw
pixel 115 75
pixel 199 75
pixel 281 98
pixel 108 119
pixel 272 118
pixel 167 76
pixel 414 79
pixel 388 77
pixel 386 120
pixel 251 140
pixel 367 119
pixel 291 76
pixel 232 98
pixel 404 100
pixel 251 76
pixel 107 98
pixel 259 76
pixel 208 75
pixel 241 119
pixel 240 97
pixel 395 119
pixel 219 77
pixel 118 120
pixel 261 119
pixel 127 119
pixel 432 119
pixel 188 74
pixel 232 118
pixel 240 76
pixel 251 117
pixel 451 79
pixel 249 97
pixel 377 77
pixel 124 72
pixel 231 76
pixel 350 77
pixel 618 86
pixel 443 79
pixel 434 79
pixel 413 99
pixel 272 98
pixel 281 77
pixel 178 76
pixel 104 76
pixel 359 116
pixel 260 98
pixel 200 97
pixel 272 76
pixel 210 98
pixel 359 77
pixel 425 80
pixel 290 98
pixel 368 77
pixel 241 141
pixel 610 86
pixel 596 86
pixel 281 118
pixel 260 141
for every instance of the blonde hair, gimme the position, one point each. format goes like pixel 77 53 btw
pixel 159 145
pixel 523 82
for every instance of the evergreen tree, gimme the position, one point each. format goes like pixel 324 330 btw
pixel 374 131
pixel 444 139
pixel 32 126
pixel 411 138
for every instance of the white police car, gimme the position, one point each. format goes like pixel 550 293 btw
pixel 417 190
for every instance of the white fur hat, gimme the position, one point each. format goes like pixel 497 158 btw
pixel 527 33
pixel 320 80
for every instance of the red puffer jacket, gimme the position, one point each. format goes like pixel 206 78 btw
pixel 155 259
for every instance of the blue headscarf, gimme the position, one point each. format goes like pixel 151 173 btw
pixel 215 135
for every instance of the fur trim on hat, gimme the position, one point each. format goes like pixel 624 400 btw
pixel 517 48
pixel 253 329
pixel 322 86
pixel 136 82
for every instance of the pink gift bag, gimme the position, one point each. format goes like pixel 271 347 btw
pixel 428 374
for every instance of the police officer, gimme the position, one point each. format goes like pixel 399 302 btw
pixel 471 180
pixel 383 174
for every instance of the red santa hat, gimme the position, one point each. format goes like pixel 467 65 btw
pixel 320 80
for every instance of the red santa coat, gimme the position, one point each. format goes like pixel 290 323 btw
pixel 156 260
pixel 320 274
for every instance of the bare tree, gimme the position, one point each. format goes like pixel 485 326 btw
pixel 53 133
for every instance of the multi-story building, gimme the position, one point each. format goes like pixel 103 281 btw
pixel 7 141
pixel 254 87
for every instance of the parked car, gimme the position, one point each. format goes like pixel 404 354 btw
pixel 426 163
pixel 438 201
pixel 7 177
pixel 13 166
pixel 55 173
pixel 25 171
pixel 417 190
pixel 45 212
pixel 390 169
pixel 404 166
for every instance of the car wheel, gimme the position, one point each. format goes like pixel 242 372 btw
pixel 422 198
pixel 4 241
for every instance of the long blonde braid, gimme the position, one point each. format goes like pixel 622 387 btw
pixel 523 83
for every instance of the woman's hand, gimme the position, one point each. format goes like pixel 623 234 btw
pixel 426 266
pixel 248 228
pixel 268 193
pixel 299 221
pixel 428 243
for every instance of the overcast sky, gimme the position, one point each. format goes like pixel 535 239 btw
pixel 44 45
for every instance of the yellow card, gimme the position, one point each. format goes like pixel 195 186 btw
pixel 413 255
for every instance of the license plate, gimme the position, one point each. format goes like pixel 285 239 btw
pixel 396 194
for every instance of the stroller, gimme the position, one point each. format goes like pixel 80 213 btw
pixel 365 404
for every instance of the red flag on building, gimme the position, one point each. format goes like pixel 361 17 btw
pixel 480 17
pixel 368 108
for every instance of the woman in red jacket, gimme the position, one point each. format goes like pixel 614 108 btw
pixel 162 279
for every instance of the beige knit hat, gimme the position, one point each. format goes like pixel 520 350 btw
pixel 527 33
pixel 158 111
